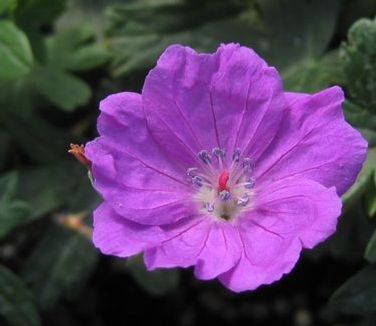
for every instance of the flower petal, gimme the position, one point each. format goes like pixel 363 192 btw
pixel 115 235
pixel 314 142
pixel 247 275
pixel 141 185
pixel 289 214
pixel 201 101
pixel 213 246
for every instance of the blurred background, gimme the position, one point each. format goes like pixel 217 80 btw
pixel 59 58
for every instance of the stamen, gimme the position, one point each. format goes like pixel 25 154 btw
pixel 224 195
pixel 191 172
pixel 249 184
pixel 209 207
pixel 219 152
pixel 236 155
pixel 197 181
pixel 204 156
pixel 224 188
pixel 242 201
pixel 247 164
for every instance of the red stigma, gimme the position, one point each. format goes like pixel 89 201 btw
pixel 222 181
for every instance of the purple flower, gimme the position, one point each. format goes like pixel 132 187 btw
pixel 215 166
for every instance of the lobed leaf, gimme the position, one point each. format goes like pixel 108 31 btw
pixel 39 140
pixel 359 63
pixel 158 282
pixel 75 49
pixel 12 212
pixel 6 5
pixel 295 29
pixel 370 253
pixel 363 180
pixel 17 304
pixel 16 58
pixel 61 263
pixel 65 184
pixel 61 89
pixel 358 294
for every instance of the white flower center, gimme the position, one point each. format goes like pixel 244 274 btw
pixel 223 187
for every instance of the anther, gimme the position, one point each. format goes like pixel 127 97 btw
pixel 204 156
pixel 249 184
pixel 191 172
pixel 236 155
pixel 243 201
pixel 209 207
pixel 224 195
pixel 197 181
pixel 219 152
pixel 247 164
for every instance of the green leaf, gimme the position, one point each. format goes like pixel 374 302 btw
pixel 4 148
pixel 88 11
pixel 136 45
pixel 298 28
pixel 74 49
pixel 369 135
pixel 16 58
pixel 61 89
pixel 15 97
pixel 35 13
pixel 58 185
pixel 359 117
pixel 12 212
pixel 371 202
pixel 61 263
pixel 359 63
pixel 140 35
pixel 158 282
pixel 40 141
pixel 17 305
pixel 7 5
pixel 363 180
pixel 358 294
pixel 370 253
pixel 313 74
pixel 8 187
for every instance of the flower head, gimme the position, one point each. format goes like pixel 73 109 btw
pixel 214 166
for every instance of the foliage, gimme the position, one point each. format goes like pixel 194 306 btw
pixel 59 58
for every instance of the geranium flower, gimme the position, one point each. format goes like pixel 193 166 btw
pixel 214 166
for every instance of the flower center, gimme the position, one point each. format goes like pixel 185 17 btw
pixel 223 187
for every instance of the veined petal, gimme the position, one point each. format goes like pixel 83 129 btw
pixel 115 235
pixel 289 214
pixel 221 251
pixel 130 171
pixel 247 275
pixel 200 101
pixel 213 246
pixel 314 142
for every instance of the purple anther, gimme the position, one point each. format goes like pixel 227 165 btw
pixel 224 195
pixel 197 181
pixel 204 156
pixel 236 154
pixel 249 184
pixel 243 200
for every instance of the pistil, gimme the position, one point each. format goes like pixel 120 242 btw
pixel 223 188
